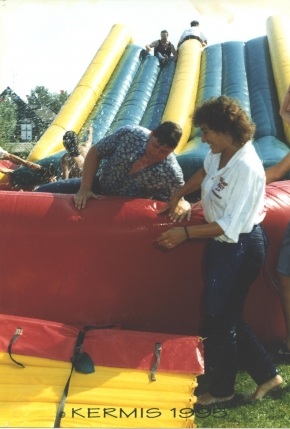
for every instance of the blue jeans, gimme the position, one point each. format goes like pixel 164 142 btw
pixel 69 186
pixel 231 269
pixel 161 57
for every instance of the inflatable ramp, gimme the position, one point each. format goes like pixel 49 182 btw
pixel 125 86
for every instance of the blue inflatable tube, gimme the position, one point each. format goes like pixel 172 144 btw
pixel 156 106
pixel 136 100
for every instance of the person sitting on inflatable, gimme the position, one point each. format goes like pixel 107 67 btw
pixel 273 174
pixel 163 49
pixel 72 162
pixel 43 174
pixel 232 182
pixel 16 160
pixel 132 162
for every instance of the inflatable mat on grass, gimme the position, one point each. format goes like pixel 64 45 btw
pixel 120 378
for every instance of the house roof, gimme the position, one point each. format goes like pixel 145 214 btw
pixel 42 115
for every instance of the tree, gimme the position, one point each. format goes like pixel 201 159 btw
pixel 8 120
pixel 40 95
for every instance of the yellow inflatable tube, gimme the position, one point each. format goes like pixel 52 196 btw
pixel 182 96
pixel 109 397
pixel 82 100
pixel 279 43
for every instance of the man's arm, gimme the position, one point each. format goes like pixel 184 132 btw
pixel 91 166
pixel 64 167
pixel 204 39
pixel 285 107
pixel 176 202
pixel 152 45
pixel 277 171
pixel 89 141
pixel 19 161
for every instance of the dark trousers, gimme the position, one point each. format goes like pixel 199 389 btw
pixel 69 186
pixel 231 269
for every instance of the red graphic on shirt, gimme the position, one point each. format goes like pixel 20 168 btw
pixel 220 186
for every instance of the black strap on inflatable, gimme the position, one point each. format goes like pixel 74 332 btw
pixel 18 332
pixel 158 349
pixel 80 362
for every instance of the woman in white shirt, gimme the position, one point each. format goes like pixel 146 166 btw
pixel 232 183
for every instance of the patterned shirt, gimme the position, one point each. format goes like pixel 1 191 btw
pixel 119 151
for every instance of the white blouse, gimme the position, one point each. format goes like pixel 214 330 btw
pixel 234 195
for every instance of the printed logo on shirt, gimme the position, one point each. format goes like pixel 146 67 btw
pixel 220 186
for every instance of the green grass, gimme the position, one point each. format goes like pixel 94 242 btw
pixel 271 412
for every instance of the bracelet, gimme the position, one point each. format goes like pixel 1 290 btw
pixel 186 232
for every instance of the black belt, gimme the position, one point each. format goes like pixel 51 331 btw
pixel 192 37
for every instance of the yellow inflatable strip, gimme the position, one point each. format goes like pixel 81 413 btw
pixel 279 43
pixel 106 377
pixel 82 100
pixel 109 397
pixel 182 96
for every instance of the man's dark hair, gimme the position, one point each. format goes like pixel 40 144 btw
pixel 164 31
pixel 225 115
pixel 194 23
pixel 70 142
pixel 168 133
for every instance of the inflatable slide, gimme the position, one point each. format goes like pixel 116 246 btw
pixel 129 88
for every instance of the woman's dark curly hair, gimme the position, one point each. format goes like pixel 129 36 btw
pixel 224 114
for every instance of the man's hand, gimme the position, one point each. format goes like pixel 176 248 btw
pixel 5 170
pixel 178 209
pixel 83 196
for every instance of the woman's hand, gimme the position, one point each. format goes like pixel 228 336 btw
pixel 172 237
pixel 83 196
pixel 178 209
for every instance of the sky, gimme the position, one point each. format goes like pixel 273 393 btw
pixel 52 42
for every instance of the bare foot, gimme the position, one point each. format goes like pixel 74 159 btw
pixel 207 398
pixel 265 388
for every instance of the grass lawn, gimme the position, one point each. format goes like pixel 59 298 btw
pixel 271 412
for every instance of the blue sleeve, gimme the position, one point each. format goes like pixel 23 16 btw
pixel 108 145
pixel 174 181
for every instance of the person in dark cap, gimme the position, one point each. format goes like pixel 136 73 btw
pixel 193 33
pixel 72 162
